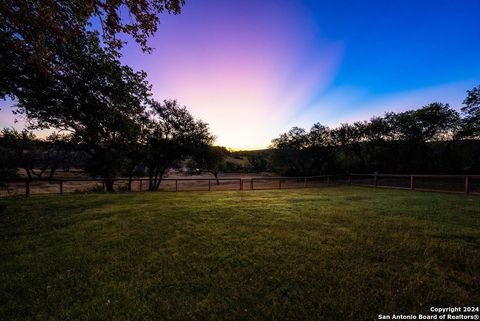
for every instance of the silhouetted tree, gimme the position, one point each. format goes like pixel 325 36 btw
pixel 291 154
pixel 173 134
pixel 350 139
pixel 376 133
pixel 258 161
pixel 414 128
pixel 59 151
pixel 302 152
pixel 36 35
pixel 25 149
pixel 431 122
pixel 412 141
pixel 95 99
pixel 471 111
pixel 322 146
pixel 9 161
pixel 211 159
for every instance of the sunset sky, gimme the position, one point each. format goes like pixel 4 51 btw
pixel 253 69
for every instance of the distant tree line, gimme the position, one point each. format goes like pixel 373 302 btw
pixel 164 145
pixel 163 136
pixel 432 139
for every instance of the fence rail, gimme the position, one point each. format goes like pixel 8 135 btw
pixel 27 187
pixel 462 184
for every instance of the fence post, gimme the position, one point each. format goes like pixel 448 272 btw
pixel 467 185
pixel 103 185
pixel 375 181
pixel 251 184
pixel 61 187
pixel 280 183
pixel 176 185
pixel 305 182
pixel 411 182
pixel 209 185
pixel 140 184
pixel 241 184
pixel 328 180
pixel 349 180
pixel 27 187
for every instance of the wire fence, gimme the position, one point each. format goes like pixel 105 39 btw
pixel 461 184
pixel 465 184
pixel 26 187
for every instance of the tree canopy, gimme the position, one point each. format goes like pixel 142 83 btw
pixel 211 159
pixel 433 138
pixel 36 37
pixel 173 133
pixel 471 121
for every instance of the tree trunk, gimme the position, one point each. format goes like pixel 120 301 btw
pixel 155 180
pixel 216 178
pixel 130 177
pixel 40 173
pixel 29 174
pixel 152 183
pixel 157 185
pixel 160 176
pixel 130 183
pixel 150 180
pixel 53 169
pixel 109 184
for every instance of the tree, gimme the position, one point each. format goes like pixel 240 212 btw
pixel 25 149
pixel 377 137
pixel 350 139
pixel 173 135
pixel 34 23
pixel 58 153
pixel 35 34
pixel 291 153
pixel 431 122
pixel 65 76
pixel 95 99
pixel 35 156
pixel 258 161
pixel 323 147
pixel 92 88
pixel 135 151
pixel 211 159
pixel 414 128
pixel 304 153
pixel 9 161
pixel 471 111
pixel 410 141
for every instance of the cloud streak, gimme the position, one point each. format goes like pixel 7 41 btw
pixel 243 74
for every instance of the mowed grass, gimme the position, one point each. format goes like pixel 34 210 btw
pixel 311 254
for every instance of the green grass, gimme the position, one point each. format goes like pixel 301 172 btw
pixel 311 254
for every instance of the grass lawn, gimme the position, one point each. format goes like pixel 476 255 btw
pixel 313 254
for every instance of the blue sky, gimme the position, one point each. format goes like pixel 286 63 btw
pixel 393 46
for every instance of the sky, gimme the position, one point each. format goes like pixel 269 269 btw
pixel 253 69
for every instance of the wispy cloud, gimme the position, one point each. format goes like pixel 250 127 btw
pixel 242 73
pixel 349 105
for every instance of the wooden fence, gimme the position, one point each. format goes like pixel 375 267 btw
pixel 25 187
pixel 462 184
